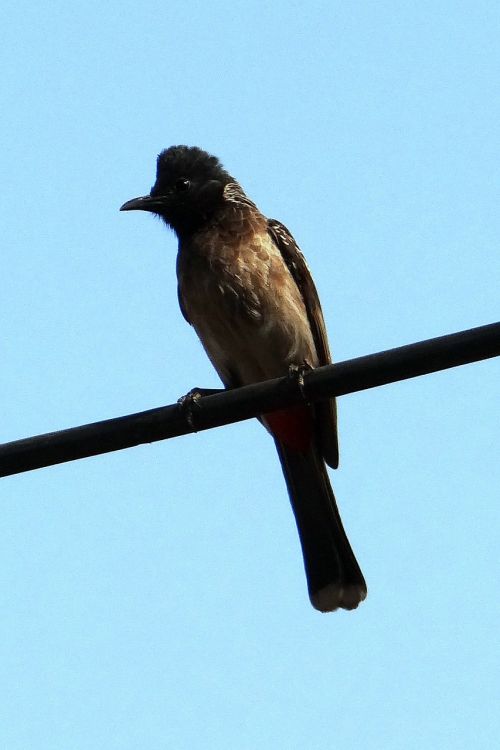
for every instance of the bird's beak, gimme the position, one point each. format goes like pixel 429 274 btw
pixel 152 203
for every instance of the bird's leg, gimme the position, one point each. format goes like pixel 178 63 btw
pixel 191 400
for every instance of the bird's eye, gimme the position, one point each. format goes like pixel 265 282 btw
pixel 182 184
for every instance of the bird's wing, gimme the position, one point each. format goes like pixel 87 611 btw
pixel 326 411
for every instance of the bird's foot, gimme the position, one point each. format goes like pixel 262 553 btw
pixel 296 374
pixel 190 402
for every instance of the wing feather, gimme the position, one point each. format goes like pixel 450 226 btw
pixel 326 411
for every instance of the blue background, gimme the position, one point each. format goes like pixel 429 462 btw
pixel 155 597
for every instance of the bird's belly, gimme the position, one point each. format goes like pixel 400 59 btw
pixel 250 318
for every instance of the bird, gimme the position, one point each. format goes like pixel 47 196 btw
pixel 245 288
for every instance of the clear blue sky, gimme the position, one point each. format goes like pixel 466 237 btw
pixel 155 598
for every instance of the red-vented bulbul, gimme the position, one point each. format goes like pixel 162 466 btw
pixel 245 287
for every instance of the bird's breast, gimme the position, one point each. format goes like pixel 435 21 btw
pixel 241 298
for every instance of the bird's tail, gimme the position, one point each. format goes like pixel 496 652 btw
pixel 334 577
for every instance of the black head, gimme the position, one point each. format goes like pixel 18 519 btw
pixel 188 189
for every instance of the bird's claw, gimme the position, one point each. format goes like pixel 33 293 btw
pixel 296 374
pixel 187 403
pixel 191 400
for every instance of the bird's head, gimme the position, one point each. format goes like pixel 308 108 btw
pixel 188 190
